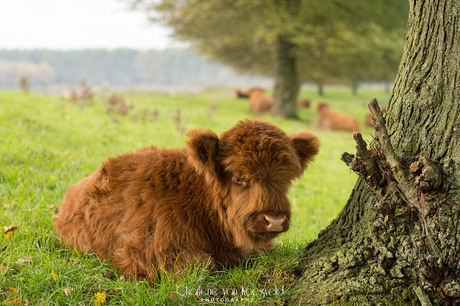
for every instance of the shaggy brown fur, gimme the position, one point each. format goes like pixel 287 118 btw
pixel 335 121
pixel 220 199
pixel 259 101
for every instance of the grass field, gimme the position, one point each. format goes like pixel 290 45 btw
pixel 48 143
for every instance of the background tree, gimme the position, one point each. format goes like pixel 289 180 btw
pixel 398 235
pixel 277 38
pixel 343 43
pixel 240 32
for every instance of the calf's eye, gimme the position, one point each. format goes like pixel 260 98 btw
pixel 239 181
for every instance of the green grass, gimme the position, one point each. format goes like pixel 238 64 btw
pixel 47 144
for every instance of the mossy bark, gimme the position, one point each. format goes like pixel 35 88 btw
pixel 399 239
pixel 286 80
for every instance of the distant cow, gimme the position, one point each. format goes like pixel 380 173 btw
pixel 241 94
pixel 259 101
pixel 305 103
pixel 218 200
pixel 335 121
pixel 244 94
pixel 368 121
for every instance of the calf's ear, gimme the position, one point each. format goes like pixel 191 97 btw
pixel 203 147
pixel 306 145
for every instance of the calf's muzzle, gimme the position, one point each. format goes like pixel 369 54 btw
pixel 268 223
pixel 275 224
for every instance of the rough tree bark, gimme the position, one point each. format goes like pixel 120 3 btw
pixel 286 80
pixel 398 236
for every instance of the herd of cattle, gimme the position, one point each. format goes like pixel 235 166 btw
pixel 260 102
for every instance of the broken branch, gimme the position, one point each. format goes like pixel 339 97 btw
pixel 368 161
pixel 381 135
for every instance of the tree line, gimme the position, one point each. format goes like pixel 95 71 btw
pixel 170 67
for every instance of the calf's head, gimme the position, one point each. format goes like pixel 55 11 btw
pixel 322 107
pixel 249 169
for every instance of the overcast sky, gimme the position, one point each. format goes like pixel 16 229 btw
pixel 77 24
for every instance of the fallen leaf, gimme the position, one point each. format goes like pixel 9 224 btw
pixel 100 298
pixel 10 292
pixel 67 291
pixel 16 301
pixel 8 231
pixel 54 275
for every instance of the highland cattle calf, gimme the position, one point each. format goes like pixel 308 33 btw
pixel 218 200
pixel 335 121
pixel 259 102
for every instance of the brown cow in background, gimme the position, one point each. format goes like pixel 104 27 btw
pixel 334 120
pixel 241 94
pixel 244 94
pixel 259 101
pixel 368 120
pixel 218 200
pixel 305 103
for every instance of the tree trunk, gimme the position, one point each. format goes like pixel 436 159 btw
pixel 320 89
pixel 286 80
pixel 354 87
pixel 398 236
